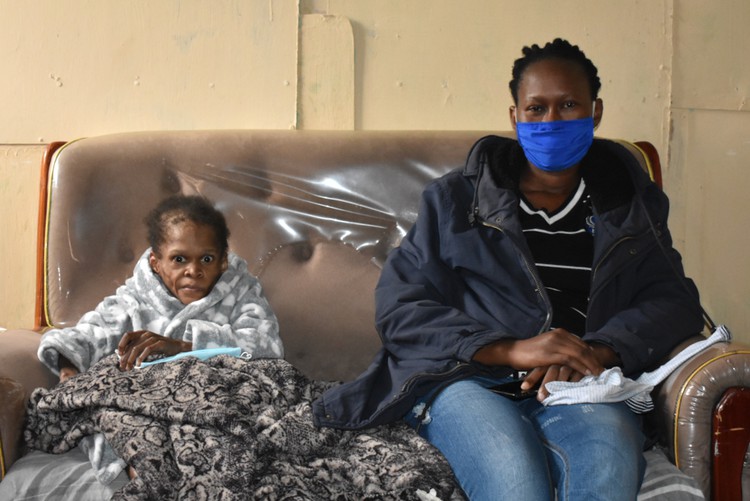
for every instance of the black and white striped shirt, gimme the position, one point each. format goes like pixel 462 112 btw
pixel 562 246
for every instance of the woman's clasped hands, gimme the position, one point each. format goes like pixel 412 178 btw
pixel 556 355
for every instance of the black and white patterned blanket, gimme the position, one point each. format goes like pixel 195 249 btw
pixel 229 428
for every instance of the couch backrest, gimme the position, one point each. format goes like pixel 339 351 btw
pixel 313 213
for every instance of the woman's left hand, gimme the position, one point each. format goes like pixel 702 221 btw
pixel 135 347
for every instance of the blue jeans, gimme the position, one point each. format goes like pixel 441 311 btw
pixel 501 449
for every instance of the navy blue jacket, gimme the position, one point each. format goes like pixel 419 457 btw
pixel 463 277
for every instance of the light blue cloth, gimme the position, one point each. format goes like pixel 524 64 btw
pixel 200 354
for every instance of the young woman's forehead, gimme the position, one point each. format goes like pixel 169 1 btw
pixel 554 75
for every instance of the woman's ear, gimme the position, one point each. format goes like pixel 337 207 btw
pixel 154 262
pixel 512 113
pixel 598 112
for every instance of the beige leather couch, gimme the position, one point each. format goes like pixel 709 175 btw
pixel 314 214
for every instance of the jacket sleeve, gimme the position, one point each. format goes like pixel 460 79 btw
pixel 663 308
pixel 251 325
pixel 94 337
pixel 418 293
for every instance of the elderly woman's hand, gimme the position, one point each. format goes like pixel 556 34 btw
pixel 135 347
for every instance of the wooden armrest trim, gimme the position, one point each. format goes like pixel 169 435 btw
pixel 653 163
pixel 729 443
pixel 2 459
pixel 646 154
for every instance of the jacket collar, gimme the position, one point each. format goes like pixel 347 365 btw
pixel 497 163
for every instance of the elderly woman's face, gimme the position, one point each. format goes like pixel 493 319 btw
pixel 189 261
pixel 554 89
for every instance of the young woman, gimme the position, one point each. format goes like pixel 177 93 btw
pixel 535 263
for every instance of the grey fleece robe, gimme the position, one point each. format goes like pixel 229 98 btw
pixel 234 314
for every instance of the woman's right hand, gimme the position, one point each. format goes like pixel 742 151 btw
pixel 557 347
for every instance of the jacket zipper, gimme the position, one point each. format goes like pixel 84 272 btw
pixel 437 375
pixel 538 287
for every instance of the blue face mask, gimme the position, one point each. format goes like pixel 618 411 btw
pixel 558 145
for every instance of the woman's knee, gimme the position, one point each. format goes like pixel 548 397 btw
pixel 595 450
pixel 490 444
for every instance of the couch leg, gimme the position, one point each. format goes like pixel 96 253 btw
pixel 731 435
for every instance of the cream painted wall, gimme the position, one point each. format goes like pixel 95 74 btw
pixel 19 203
pixel 443 64
pixel 710 153
pixel 668 68
pixel 86 67
pixel 420 64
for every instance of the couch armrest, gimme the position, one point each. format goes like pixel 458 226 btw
pixel 686 402
pixel 13 398
pixel 18 360
pixel 20 372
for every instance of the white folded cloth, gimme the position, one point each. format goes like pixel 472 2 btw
pixel 612 386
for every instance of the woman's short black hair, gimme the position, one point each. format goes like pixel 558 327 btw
pixel 180 208
pixel 557 49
